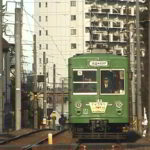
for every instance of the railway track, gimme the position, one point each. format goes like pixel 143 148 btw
pixel 101 146
pixel 44 141
pixel 27 139
pixel 38 140
pixel 30 140
pixel 14 140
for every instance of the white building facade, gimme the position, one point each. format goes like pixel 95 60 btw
pixel 66 27
pixel 59 29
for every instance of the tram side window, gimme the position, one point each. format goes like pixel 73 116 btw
pixel 112 81
pixel 84 81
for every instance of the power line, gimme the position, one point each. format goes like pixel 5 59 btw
pixel 48 35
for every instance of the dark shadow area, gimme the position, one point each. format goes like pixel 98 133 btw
pixel 110 141
pixel 133 136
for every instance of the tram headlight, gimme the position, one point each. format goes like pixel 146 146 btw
pixel 78 105
pixel 78 108
pixel 119 104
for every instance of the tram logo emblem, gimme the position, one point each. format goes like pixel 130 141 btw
pixel 98 107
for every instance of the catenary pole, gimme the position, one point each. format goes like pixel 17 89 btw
pixel 18 67
pixel 35 83
pixel 139 103
pixel 22 69
pixel 132 67
pixel 44 87
pixel 1 69
pixel 62 103
pixel 54 100
pixel 148 132
pixel 54 90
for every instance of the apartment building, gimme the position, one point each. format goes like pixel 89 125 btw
pixel 66 27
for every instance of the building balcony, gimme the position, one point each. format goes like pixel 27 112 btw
pixel 111 2
pixel 110 16
pixel 106 42
pixel 97 29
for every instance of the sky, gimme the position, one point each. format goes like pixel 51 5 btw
pixel 27 31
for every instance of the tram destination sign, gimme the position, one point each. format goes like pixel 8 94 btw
pixel 98 63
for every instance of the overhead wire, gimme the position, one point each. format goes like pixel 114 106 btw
pixel 48 35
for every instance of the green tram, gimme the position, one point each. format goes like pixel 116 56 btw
pixel 98 96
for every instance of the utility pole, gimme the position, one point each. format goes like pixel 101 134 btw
pixel 91 32
pixel 62 103
pixel 18 66
pixel 22 69
pixel 54 100
pixel 54 89
pixel 35 84
pixel 44 87
pixel 139 103
pixel 148 109
pixel 1 68
pixel 132 67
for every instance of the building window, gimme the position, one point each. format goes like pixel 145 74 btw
pixel 46 4
pixel 116 11
pixel 39 4
pixel 116 38
pixel 95 36
pixel 95 23
pixel 105 10
pixel 73 31
pixel 73 17
pixel 46 60
pixel 40 32
pixel 40 60
pixel 105 37
pixel 47 46
pixel 46 18
pixel 105 24
pixel 87 16
pixel 39 18
pixel 73 45
pixel 72 3
pixel 46 32
pixel 86 30
pixel 40 46
pixel 127 11
pixel 116 25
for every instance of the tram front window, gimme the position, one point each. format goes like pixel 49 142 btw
pixel 112 82
pixel 84 81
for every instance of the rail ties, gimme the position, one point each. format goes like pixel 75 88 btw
pixel 81 147
pixel 109 146
pixel 36 145
pixel 23 136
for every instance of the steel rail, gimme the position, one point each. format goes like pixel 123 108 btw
pixel 22 136
pixel 29 147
